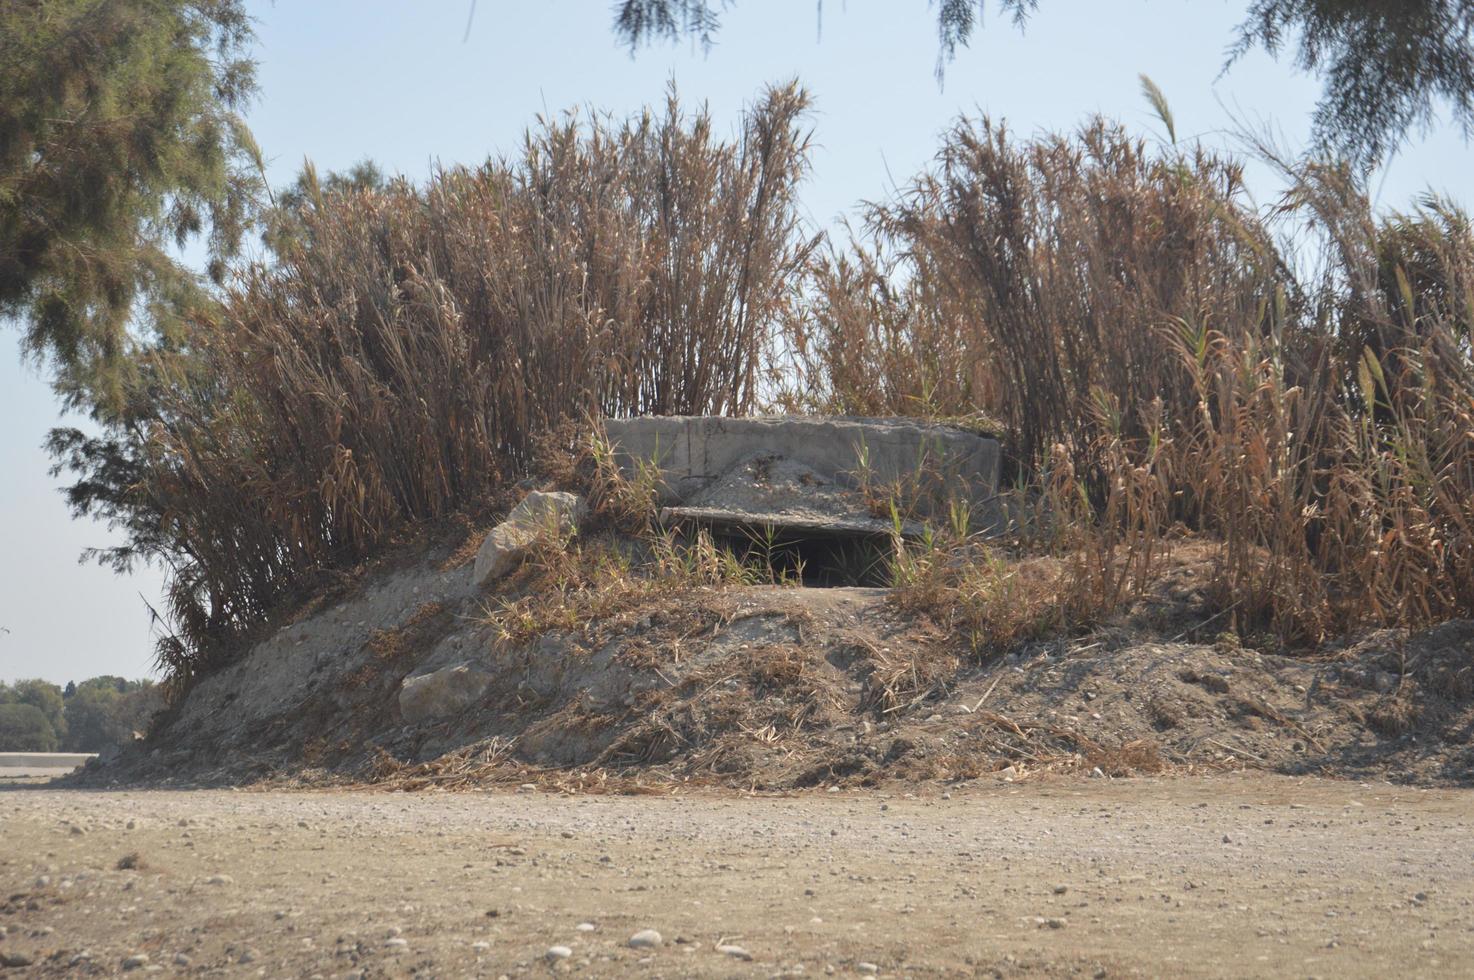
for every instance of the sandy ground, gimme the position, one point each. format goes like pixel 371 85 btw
pixel 1232 876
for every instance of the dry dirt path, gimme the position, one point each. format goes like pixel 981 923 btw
pixel 1233 876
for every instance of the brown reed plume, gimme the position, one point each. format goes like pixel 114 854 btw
pixel 410 346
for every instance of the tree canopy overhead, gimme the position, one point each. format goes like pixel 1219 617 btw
pixel 1387 66
pixel 119 140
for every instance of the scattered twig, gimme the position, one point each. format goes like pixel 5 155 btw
pixel 989 691
pixel 1238 751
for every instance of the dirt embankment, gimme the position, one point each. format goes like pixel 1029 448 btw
pixel 783 687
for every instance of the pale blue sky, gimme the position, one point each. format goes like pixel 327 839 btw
pixel 345 79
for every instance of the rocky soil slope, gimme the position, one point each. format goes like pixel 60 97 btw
pixel 401 679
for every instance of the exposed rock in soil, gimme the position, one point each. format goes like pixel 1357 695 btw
pixel 539 514
pixel 442 693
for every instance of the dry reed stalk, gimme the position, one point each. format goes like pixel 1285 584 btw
pixel 403 357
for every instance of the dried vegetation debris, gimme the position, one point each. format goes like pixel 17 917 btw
pixel 677 682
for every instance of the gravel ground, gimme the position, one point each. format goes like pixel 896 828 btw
pixel 1231 876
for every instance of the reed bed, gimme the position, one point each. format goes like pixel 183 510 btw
pixel 410 345
pixel 1161 356
pixel 1294 382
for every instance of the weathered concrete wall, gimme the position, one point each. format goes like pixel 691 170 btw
pixel 692 452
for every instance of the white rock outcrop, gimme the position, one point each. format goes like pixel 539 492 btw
pixel 442 693
pixel 540 513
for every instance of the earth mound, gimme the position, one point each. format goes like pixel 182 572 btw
pixel 778 687
pixel 607 658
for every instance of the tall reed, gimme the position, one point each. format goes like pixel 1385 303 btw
pixel 410 346
pixel 1294 382
pixel 1027 277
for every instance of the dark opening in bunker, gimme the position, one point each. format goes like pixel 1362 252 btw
pixel 816 558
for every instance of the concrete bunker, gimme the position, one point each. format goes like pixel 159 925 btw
pixel 820 500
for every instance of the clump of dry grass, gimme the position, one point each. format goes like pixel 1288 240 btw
pixel 1069 562
pixel 576 586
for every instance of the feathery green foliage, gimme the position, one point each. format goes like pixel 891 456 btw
pixel 119 140
pixel 1388 66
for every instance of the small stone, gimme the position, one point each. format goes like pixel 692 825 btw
pixel 556 953
pixel 220 880
pixel 395 943
pixel 182 959
pixel 1055 923
pixel 586 927
pixel 646 939
pixel 136 961
pixel 870 968
pixel 249 956
pixel 736 952
pixel 1061 889
pixel 15 960
pixel 481 947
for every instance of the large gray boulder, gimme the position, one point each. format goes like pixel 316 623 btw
pixel 538 515
pixel 442 693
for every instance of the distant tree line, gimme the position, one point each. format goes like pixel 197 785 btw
pixel 38 716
